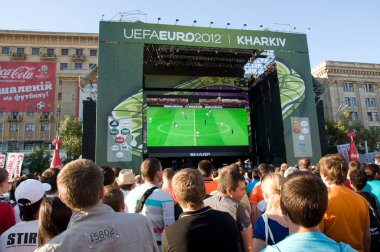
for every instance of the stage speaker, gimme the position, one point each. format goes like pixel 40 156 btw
pixel 321 127
pixel 89 129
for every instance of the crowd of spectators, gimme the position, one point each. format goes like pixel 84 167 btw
pixel 332 206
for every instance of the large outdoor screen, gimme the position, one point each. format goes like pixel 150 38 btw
pixel 196 126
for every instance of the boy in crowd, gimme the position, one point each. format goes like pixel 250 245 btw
pixel 231 189
pixel 147 199
pixel 23 236
pixel 114 197
pixel 347 216
pixel 205 167
pixel 304 202
pixel 198 224
pixel 93 226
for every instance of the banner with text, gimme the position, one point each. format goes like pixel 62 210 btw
pixel 2 161
pixel 13 166
pixel 27 86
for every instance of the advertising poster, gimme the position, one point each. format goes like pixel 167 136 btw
pixel 120 140
pixel 301 137
pixel 343 149
pixel 13 166
pixel 2 161
pixel 27 86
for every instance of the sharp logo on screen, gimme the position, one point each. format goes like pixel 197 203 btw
pixel 173 36
pixel 21 72
pixel 200 154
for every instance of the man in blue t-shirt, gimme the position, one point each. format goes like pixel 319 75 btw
pixel 304 202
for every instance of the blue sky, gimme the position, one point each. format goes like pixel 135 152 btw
pixel 339 30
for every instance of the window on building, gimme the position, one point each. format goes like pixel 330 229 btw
pixel 28 145
pixel 353 116
pixel 79 52
pixel 91 65
pixel 50 51
pixel 63 66
pixel 30 113
pixel 45 114
pixel 78 65
pixel 375 116
pixel 373 102
pixel 370 117
pixel 1 127
pixel 60 82
pixel 35 51
pixel 58 112
pixel 64 52
pixel 93 52
pixel 367 103
pixel 348 87
pixel 13 127
pixel 352 102
pixel 347 101
pixel 368 87
pixel 45 127
pixel 20 50
pixel 29 127
pixel 5 50
pixel 12 145
pixel 59 96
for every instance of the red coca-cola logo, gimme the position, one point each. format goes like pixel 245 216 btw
pixel 21 72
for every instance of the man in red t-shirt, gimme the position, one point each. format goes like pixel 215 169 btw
pixel 7 216
pixel 204 166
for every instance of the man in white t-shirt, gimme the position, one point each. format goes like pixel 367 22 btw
pixel 22 237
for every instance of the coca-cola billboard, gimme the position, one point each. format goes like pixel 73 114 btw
pixel 27 86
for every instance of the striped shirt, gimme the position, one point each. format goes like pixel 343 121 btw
pixel 158 208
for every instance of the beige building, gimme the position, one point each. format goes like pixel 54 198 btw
pixel 349 87
pixel 74 54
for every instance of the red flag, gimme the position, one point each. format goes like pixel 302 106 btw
pixel 56 162
pixel 353 152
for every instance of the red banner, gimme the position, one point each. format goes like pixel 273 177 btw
pixel 13 166
pixel 27 86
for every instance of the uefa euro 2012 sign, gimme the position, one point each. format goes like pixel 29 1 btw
pixel 207 38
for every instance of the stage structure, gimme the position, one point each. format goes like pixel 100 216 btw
pixel 172 91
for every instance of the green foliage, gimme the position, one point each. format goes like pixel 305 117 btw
pixel 336 133
pixel 71 136
pixel 37 161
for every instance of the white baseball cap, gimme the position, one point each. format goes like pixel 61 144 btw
pixel 30 191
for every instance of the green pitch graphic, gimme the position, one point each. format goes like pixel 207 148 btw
pixel 196 127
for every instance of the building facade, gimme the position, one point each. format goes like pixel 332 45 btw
pixel 350 87
pixel 74 54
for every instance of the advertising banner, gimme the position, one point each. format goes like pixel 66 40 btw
pixel 343 149
pixel 2 161
pixel 27 86
pixel 13 166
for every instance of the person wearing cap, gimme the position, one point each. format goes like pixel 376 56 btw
pixel 126 181
pixel 23 236
pixel 94 226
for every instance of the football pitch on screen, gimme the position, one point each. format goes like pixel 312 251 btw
pixel 196 127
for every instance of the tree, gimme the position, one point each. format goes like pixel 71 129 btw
pixel 71 136
pixel 37 161
pixel 337 133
